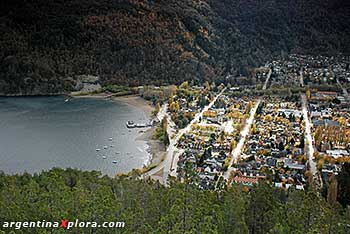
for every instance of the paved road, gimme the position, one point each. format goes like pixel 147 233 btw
pixel 345 92
pixel 245 132
pixel 169 164
pixel 162 112
pixel 309 139
pixel 301 78
pixel 310 143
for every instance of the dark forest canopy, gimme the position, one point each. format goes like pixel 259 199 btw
pixel 148 207
pixel 45 44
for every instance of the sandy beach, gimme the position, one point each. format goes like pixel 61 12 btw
pixel 132 100
pixel 137 101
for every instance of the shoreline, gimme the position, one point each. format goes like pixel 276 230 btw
pixel 130 99
pixel 32 95
pixel 156 149
pixel 136 101
pixel 90 95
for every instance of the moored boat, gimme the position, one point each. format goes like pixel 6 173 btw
pixel 130 124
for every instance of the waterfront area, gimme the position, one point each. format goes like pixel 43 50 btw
pixel 175 117
pixel 292 129
pixel 289 125
pixel 280 140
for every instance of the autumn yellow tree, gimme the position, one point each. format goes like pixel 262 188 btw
pixel 308 94
pixel 320 164
pixel 171 99
pixel 232 145
pixel 249 107
pixel 174 107
pixel 184 85
pixel 207 85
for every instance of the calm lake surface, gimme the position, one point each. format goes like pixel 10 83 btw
pixel 38 133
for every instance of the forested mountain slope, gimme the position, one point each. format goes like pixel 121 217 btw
pixel 46 44
pixel 147 207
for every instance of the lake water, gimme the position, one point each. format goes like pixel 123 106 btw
pixel 38 133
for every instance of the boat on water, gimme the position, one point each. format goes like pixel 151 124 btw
pixel 114 162
pixel 141 125
pixel 130 124
pixel 110 139
pixel 104 157
pixel 98 150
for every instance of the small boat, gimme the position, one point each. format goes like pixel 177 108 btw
pixel 110 139
pixel 117 152
pixel 67 100
pixel 98 150
pixel 105 147
pixel 104 157
pixel 111 146
pixel 114 162
pixel 130 124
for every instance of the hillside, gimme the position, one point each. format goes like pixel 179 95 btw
pixel 46 44
pixel 148 207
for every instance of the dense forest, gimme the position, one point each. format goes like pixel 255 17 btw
pixel 148 207
pixel 46 44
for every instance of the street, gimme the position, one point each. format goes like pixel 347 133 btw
pixel 169 164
